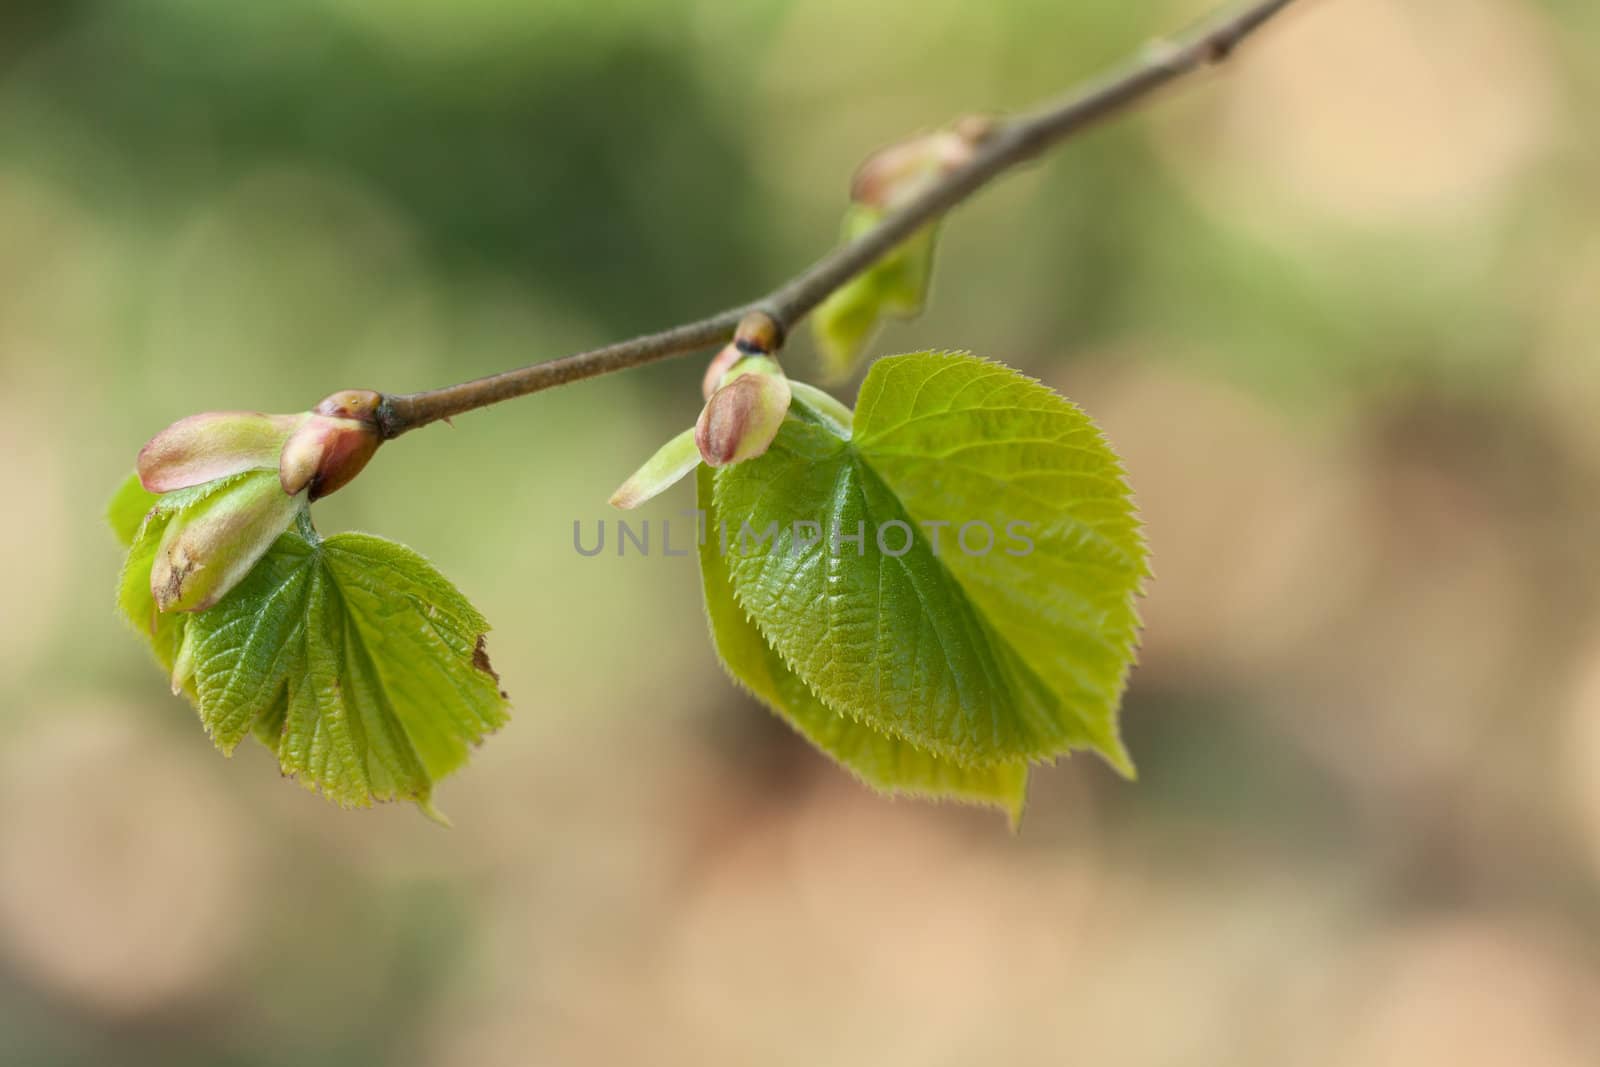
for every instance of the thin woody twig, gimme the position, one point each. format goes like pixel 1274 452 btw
pixel 1004 146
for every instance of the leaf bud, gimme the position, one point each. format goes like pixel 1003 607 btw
pixel 744 415
pixel 216 444
pixel 719 366
pixel 333 445
pixel 894 174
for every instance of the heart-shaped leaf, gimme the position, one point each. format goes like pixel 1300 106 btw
pixel 889 764
pixel 351 657
pixel 960 572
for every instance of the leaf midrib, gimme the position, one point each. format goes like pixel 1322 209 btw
pixel 1014 660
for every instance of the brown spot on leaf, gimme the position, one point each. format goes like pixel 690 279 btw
pixel 480 660
pixel 170 586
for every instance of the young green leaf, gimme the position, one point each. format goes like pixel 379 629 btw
pixel 896 285
pixel 821 406
pixel 127 508
pixel 660 472
pixel 352 658
pixel 888 764
pixel 140 520
pixel 209 546
pixel 961 573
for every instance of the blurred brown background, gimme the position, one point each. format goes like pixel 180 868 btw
pixel 1338 306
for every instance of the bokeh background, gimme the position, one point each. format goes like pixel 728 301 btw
pixel 1338 306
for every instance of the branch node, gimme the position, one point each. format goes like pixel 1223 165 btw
pixel 759 334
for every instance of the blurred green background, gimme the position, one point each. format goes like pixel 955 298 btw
pixel 1339 308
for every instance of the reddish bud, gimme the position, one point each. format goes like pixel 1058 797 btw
pixel 893 175
pixel 325 453
pixel 720 365
pixel 333 445
pixel 359 404
pixel 744 415
pixel 208 547
pixel 216 444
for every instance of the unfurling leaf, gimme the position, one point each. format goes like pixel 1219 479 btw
pixel 823 406
pixel 896 285
pixel 660 472
pixel 883 762
pixel 209 547
pixel 720 365
pixel 959 572
pixel 896 173
pixel 747 399
pixel 359 665
pixel 127 508
pixel 212 445
pixel 134 513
